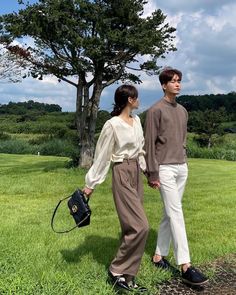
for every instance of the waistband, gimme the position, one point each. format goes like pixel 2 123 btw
pixel 127 161
pixel 130 160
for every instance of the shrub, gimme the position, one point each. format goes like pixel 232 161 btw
pixel 4 136
pixel 17 147
pixel 57 147
pixel 54 147
pixel 213 153
pixel 40 139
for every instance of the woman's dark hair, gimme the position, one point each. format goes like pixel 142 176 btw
pixel 167 75
pixel 121 96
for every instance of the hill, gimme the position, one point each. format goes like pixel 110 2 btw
pixel 34 128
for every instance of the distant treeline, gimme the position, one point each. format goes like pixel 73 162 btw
pixel 209 102
pixel 20 108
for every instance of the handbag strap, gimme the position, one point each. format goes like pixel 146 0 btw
pixel 53 216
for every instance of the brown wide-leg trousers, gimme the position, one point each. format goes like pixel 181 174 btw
pixel 127 190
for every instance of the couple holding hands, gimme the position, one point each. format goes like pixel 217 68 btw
pixel 161 156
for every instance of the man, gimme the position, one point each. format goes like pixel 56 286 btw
pixel 167 170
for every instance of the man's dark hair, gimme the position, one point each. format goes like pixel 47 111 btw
pixel 167 75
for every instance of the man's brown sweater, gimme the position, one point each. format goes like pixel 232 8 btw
pixel 165 136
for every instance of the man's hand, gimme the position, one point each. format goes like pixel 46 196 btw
pixel 154 184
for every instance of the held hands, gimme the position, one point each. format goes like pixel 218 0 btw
pixel 154 184
pixel 87 191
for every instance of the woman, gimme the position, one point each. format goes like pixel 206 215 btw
pixel 121 142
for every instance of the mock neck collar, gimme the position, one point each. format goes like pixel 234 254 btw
pixel 173 104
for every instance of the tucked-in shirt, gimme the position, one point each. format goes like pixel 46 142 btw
pixel 118 141
pixel 165 136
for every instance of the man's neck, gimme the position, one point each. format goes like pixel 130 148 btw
pixel 170 98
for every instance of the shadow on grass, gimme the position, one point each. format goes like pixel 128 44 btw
pixel 103 250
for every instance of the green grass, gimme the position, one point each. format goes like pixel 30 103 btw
pixel 34 260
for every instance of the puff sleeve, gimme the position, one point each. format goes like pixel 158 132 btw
pixel 102 158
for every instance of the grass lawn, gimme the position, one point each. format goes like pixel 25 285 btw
pixel 34 260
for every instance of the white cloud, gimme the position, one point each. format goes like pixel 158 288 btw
pixel 206 47
pixel 206 43
pixel 47 91
pixel 213 87
pixel 150 83
pixel 209 6
pixel 149 8
pixel 50 80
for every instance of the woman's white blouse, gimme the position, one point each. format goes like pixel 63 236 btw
pixel 118 140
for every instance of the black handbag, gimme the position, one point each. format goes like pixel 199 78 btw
pixel 79 209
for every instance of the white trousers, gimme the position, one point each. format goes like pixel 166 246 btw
pixel 173 179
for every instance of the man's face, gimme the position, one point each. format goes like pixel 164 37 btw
pixel 173 86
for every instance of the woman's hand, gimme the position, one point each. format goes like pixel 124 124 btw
pixel 154 184
pixel 87 191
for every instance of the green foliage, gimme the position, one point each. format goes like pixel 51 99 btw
pixel 34 260
pixel 51 123
pixel 60 124
pixel 38 139
pixel 44 146
pixel 57 147
pixel 206 123
pixel 30 107
pixel 55 134
pixel 224 147
pixel 96 42
pixel 72 38
pixel 103 116
pixel 209 115
pixel 4 136
pixel 17 147
pixel 210 102
pixel 142 117
pixel 11 70
pixel 213 153
pixel 49 134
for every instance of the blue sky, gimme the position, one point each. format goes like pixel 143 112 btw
pixel 206 43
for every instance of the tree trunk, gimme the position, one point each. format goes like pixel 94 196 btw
pixel 209 143
pixel 86 116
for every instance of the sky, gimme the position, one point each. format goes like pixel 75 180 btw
pixel 206 55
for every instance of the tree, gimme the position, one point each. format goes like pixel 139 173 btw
pixel 90 45
pixel 209 101
pixel 103 116
pixel 27 107
pixel 10 67
pixel 206 124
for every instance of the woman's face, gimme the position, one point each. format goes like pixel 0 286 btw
pixel 134 102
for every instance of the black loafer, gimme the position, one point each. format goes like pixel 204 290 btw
pixel 137 288
pixel 163 263
pixel 118 281
pixel 194 277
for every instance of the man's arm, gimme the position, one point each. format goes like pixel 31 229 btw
pixel 151 135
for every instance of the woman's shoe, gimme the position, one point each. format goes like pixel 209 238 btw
pixel 118 281
pixel 137 288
